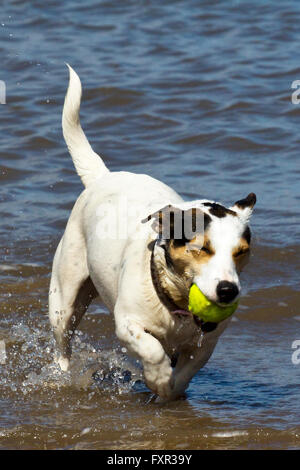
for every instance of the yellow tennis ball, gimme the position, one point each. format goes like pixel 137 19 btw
pixel 205 309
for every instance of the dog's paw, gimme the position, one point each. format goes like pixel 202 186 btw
pixel 162 389
pixel 159 378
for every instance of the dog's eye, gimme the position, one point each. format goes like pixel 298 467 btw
pixel 198 249
pixel 206 250
pixel 241 252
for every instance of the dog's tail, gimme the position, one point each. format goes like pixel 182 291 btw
pixel 88 164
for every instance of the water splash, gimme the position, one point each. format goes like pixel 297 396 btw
pixel 30 364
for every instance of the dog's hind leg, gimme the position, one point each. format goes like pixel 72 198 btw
pixel 71 291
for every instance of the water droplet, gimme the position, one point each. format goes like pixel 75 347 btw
pixel 200 339
pixel 85 431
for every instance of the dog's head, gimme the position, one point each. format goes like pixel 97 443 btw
pixel 205 243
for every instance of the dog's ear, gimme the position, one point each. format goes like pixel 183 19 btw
pixel 164 221
pixel 173 223
pixel 244 207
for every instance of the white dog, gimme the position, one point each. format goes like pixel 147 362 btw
pixel 121 244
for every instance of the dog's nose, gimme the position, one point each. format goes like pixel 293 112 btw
pixel 227 291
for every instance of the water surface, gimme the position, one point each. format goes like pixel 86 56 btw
pixel 197 94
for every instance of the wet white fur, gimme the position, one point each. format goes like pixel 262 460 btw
pixel 86 161
pixel 120 268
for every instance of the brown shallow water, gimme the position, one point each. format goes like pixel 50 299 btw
pixel 198 95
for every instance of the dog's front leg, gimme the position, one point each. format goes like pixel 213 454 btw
pixel 156 363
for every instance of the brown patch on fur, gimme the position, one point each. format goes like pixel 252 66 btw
pixel 241 255
pixel 183 261
pixel 186 259
pixel 219 211
pixel 173 223
pixel 247 234
pixel 249 201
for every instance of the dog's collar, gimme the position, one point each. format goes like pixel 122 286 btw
pixel 169 303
